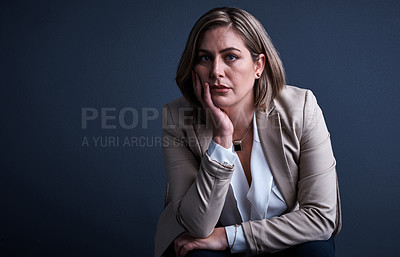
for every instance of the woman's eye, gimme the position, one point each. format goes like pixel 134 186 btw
pixel 204 58
pixel 231 57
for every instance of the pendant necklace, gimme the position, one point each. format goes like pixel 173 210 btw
pixel 237 144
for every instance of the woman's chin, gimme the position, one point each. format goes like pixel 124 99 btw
pixel 221 101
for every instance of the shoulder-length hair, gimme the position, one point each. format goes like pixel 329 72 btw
pixel 257 41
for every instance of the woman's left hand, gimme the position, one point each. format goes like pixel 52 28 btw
pixel 217 241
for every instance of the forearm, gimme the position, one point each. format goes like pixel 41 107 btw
pixel 288 230
pixel 316 218
pixel 202 204
pixel 197 187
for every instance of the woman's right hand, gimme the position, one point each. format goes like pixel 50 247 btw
pixel 222 125
pixel 217 241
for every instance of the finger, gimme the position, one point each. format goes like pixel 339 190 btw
pixel 180 241
pixel 194 84
pixel 177 244
pixel 186 248
pixel 209 103
pixel 207 96
pixel 197 87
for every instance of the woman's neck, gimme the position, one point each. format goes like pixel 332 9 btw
pixel 241 119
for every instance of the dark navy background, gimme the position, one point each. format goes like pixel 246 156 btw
pixel 59 197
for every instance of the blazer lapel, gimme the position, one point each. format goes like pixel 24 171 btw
pixel 270 133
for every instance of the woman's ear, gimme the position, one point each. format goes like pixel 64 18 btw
pixel 259 65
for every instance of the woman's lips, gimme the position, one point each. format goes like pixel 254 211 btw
pixel 219 89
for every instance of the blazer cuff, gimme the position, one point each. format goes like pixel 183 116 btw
pixel 217 169
pixel 251 239
pixel 221 154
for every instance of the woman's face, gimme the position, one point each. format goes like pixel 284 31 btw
pixel 226 64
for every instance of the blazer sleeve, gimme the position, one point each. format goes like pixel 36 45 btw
pixel 316 217
pixel 197 188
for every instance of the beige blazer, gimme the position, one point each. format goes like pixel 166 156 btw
pixel 297 146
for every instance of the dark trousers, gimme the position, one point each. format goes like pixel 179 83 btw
pixel 309 249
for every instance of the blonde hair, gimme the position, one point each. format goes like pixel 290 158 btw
pixel 256 39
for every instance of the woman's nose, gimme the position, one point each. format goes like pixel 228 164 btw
pixel 217 70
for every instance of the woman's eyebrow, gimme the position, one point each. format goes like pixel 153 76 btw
pixel 229 49
pixel 221 51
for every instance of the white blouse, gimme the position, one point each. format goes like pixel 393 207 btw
pixel 262 200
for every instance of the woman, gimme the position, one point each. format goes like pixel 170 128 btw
pixel 249 162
